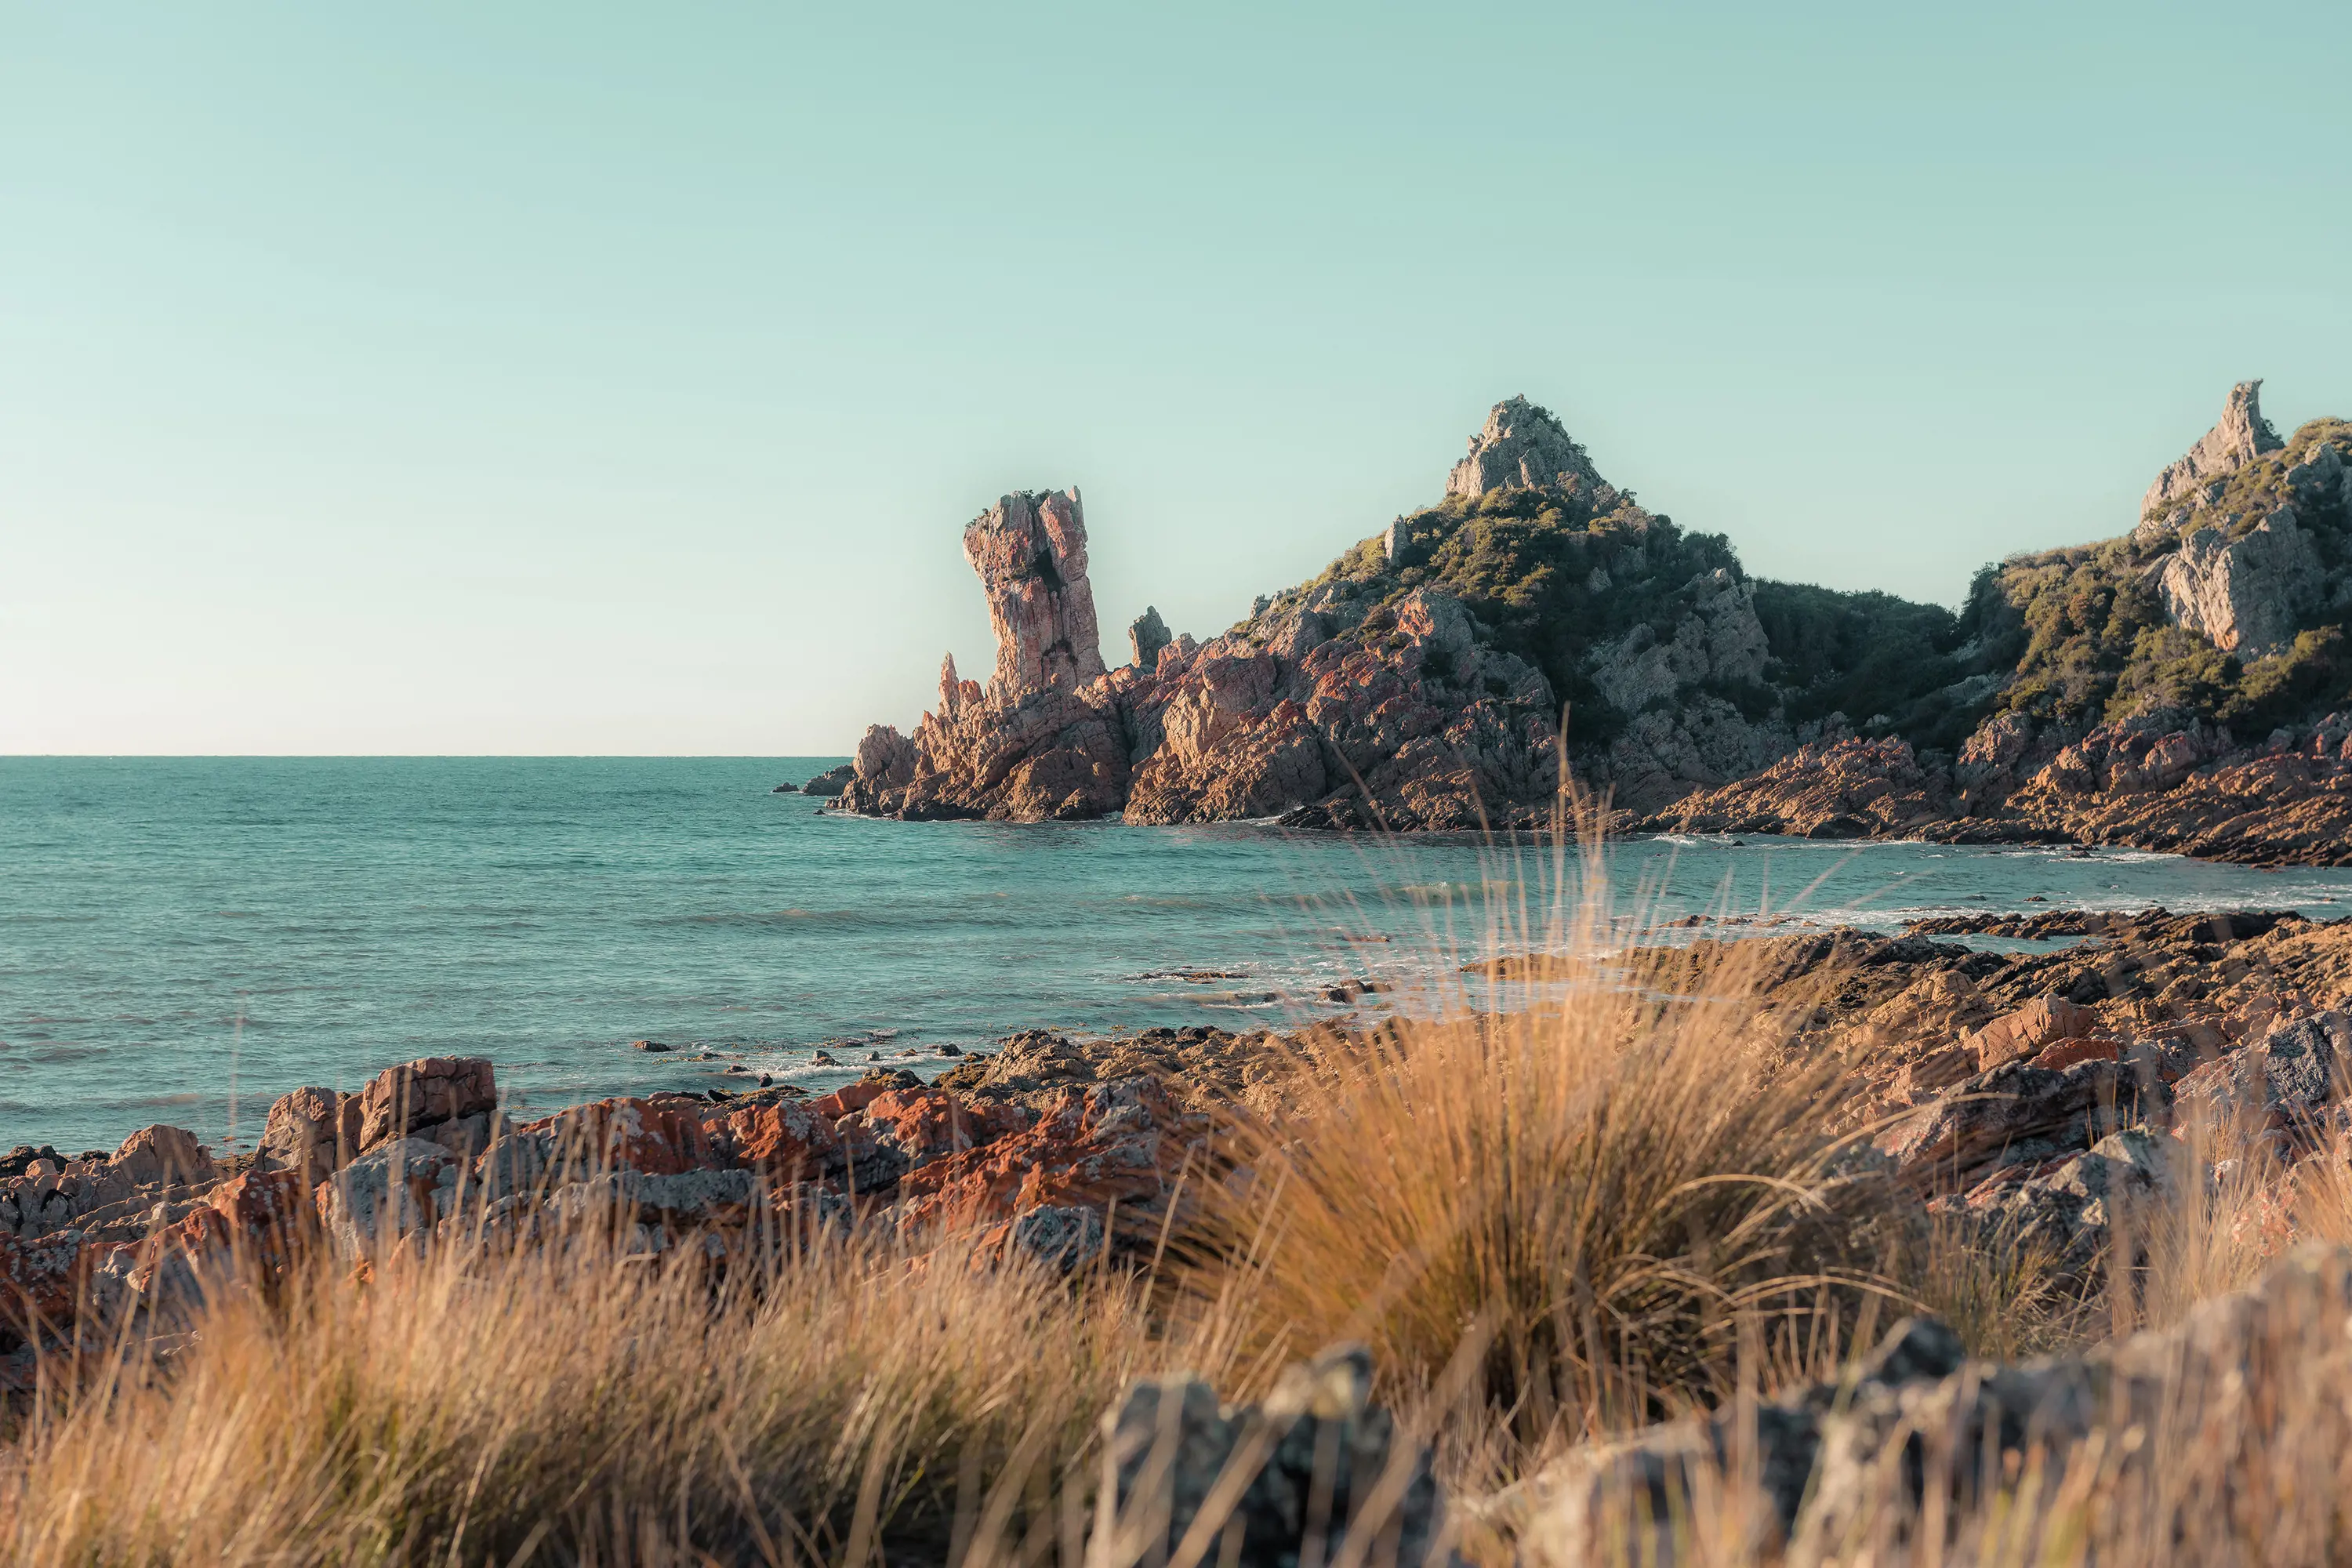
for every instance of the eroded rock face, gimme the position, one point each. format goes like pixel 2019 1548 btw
pixel 1052 756
pixel 1030 551
pixel 1400 716
pixel 1521 445
pixel 1122 1143
pixel 2249 594
pixel 1045 740
pixel 398 1189
pixel 408 1100
pixel 2241 433
pixel 311 1130
pixel 156 1176
pixel 2029 1030
pixel 1845 789
pixel 1684 735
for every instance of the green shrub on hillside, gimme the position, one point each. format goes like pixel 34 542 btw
pixel 2072 637
pixel 2092 643
pixel 2258 488
pixel 1555 576
pixel 1886 663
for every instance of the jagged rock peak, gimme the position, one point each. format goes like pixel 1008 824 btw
pixel 1030 551
pixel 955 691
pixel 1521 446
pixel 2240 434
pixel 1147 635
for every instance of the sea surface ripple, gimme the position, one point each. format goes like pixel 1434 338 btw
pixel 183 939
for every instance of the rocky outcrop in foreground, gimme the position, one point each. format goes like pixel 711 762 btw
pixel 2092 1445
pixel 1036 1148
pixel 1317 1473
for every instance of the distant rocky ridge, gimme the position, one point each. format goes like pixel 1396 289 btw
pixel 2116 692
pixel 2186 688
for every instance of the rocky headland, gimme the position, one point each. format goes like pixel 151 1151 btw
pixel 2183 687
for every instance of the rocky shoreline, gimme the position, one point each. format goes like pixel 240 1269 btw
pixel 1044 1145
pixel 2008 1088
pixel 2286 803
pixel 2039 1103
pixel 2185 688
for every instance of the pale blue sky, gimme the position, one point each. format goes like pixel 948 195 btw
pixel 580 378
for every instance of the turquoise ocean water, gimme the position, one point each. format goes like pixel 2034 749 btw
pixel 181 940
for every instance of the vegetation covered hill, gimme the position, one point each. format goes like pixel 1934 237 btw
pixel 2089 635
pixel 2229 604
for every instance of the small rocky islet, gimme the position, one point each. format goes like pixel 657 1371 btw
pixel 2185 687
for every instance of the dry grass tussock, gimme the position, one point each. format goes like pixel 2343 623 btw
pixel 1610 1186
pixel 1624 1202
pixel 588 1408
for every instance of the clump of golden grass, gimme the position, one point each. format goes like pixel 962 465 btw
pixel 2006 1294
pixel 579 1405
pixel 1608 1186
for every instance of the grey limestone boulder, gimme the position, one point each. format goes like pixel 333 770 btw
pixel 1317 1474
pixel 1146 636
pixel 1873 1467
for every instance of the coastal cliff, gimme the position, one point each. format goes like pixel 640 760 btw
pixel 2183 686
pixel 1417 683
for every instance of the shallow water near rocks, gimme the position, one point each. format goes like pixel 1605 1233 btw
pixel 183 939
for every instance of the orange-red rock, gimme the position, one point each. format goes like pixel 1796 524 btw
pixel 788 1141
pixel 400 1099
pixel 2021 1036
pixel 266 1216
pixel 39 1282
pixel 1109 1142
pixel 2066 1053
pixel 925 1125
pixel 630 1135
